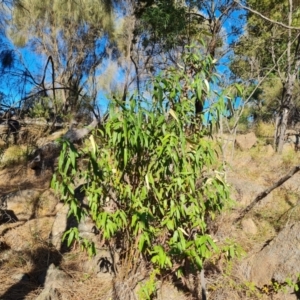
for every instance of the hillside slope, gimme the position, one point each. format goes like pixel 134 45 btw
pixel 34 264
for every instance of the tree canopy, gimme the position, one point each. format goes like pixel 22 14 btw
pixel 268 53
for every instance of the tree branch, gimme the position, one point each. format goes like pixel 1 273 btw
pixel 266 18
pixel 261 81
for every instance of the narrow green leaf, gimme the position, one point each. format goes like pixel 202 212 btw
pixel 239 89
pixel 125 156
pixel 173 114
pixel 207 85
pixel 71 237
pixel 92 140
pixel 199 90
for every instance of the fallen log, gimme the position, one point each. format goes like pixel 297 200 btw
pixel 48 152
pixel 266 192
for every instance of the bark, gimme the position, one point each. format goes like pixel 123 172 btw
pixel 74 135
pixel 128 56
pixel 293 63
pixel 287 91
pixel 285 109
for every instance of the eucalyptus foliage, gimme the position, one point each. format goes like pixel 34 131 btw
pixel 158 174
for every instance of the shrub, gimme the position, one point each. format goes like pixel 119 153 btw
pixel 263 129
pixel 150 186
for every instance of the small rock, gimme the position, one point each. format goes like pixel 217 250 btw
pixel 245 191
pixel 268 150
pixel 278 260
pixel 291 132
pixel 49 294
pixel 246 141
pixel 21 277
pixel 20 238
pixel 55 279
pixel 60 225
pixel 47 203
pixel 22 203
pixel 249 226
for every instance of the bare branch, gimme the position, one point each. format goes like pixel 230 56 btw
pixel 266 18
pixel 261 81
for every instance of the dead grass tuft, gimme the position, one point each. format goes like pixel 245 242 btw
pixel 14 155
pixel 263 129
pixel 33 263
pixel 28 235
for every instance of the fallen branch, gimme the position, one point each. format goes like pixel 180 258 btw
pixel 50 151
pixel 266 192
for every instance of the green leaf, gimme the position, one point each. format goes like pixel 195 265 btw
pixel 199 90
pixel 141 243
pixel 160 94
pixel 67 165
pixel 207 86
pixel 240 89
pixel 173 114
pixel 230 107
pixel 125 132
pixel 125 157
pixel 53 182
pixel 71 190
pixel 61 159
pixel 92 140
pixel 71 237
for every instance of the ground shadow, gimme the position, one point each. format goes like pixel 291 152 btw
pixel 42 258
pixel 297 293
pixel 7 216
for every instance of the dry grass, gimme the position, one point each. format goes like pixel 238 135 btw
pixel 30 133
pixel 256 167
pixel 34 261
pixel 264 129
pixel 14 155
pixel 19 177
pixel 32 253
pixel 79 288
pixel 31 262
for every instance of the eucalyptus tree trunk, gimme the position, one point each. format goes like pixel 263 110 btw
pixel 286 107
pixel 293 63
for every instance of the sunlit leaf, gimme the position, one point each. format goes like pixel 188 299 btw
pixel 173 114
pixel 207 85
pixel 93 144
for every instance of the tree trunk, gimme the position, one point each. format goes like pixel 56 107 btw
pixel 282 125
pixel 286 106
pixel 287 94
